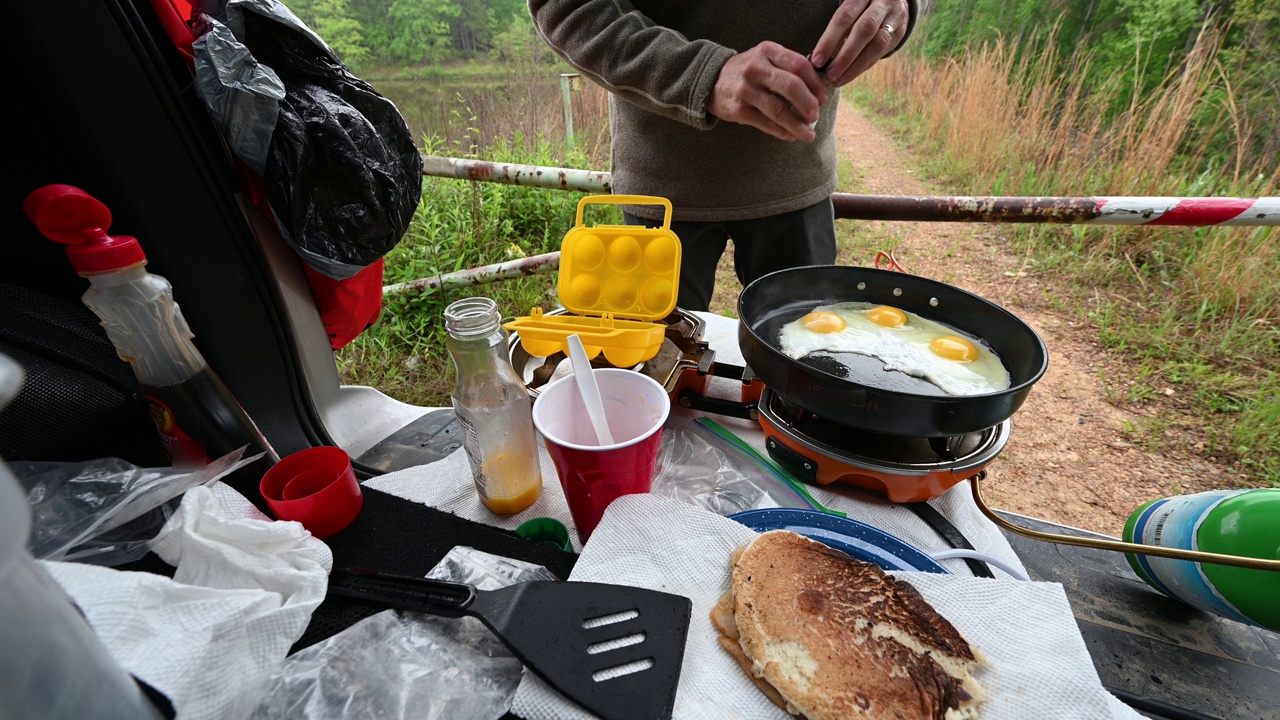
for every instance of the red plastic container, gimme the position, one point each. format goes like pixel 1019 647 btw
pixel 316 487
pixel 593 476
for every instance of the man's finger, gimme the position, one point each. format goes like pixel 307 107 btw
pixel 837 29
pixel 798 65
pixel 759 121
pixel 778 110
pixel 885 40
pixel 862 33
pixel 793 90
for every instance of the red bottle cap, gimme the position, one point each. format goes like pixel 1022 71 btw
pixel 69 215
pixel 316 487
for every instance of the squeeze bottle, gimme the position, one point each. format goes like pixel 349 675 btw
pixel 493 408
pixel 1232 522
pixel 197 417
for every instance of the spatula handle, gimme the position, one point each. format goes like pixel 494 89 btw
pixel 435 597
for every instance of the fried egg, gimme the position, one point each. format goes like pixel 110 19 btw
pixel 955 362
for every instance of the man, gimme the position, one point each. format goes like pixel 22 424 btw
pixel 726 108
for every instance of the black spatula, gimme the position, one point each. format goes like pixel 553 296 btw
pixel 614 650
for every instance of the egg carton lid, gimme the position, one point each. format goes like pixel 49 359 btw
pixel 629 271
pixel 616 280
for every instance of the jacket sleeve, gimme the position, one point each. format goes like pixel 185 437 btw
pixel 621 49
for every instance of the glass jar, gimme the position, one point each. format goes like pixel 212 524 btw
pixel 493 408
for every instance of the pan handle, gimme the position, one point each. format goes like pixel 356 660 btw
pixel 1117 545
pixel 889 261
pixel 434 597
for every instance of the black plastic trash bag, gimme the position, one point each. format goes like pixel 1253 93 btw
pixel 342 173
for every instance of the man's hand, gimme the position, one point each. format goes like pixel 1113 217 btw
pixel 860 33
pixel 772 89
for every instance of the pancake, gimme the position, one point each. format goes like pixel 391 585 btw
pixel 835 638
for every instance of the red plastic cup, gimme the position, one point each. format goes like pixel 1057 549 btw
pixel 594 475
pixel 316 487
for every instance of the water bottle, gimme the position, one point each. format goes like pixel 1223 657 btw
pixel 196 415
pixel 1245 523
pixel 493 408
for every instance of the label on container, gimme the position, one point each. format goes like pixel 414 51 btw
pixel 182 449
pixel 471 443
pixel 1174 522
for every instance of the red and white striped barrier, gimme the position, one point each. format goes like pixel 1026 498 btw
pixel 1193 212
pixel 1183 211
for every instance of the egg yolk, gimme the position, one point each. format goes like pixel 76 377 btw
pixel 823 322
pixel 885 316
pixel 954 348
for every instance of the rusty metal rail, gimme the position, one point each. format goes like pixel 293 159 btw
pixel 533 265
pixel 514 174
pixel 1127 210
pixel 1121 210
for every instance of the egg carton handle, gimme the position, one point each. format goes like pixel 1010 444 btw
pixel 627 200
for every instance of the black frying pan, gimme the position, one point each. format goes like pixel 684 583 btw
pixel 856 390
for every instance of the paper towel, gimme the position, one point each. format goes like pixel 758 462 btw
pixel 1039 666
pixel 242 594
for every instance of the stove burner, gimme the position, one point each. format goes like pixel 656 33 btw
pixel 682 348
pixel 871 446
pixel 906 469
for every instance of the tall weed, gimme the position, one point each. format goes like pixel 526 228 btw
pixel 1199 308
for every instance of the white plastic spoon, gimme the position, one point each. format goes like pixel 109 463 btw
pixel 586 380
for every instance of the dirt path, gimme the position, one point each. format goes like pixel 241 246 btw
pixel 1069 459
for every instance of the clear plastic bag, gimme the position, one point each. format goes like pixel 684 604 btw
pixel 106 511
pixel 401 665
pixel 702 464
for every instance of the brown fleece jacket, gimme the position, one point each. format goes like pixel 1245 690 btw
pixel 659 59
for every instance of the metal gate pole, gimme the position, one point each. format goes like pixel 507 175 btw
pixel 568 83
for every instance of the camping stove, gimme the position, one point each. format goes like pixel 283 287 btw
pixel 811 448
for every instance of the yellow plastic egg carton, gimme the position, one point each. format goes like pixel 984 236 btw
pixel 616 280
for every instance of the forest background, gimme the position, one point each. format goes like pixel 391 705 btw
pixel 996 97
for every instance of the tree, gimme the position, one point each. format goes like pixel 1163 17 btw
pixel 420 29
pixel 343 33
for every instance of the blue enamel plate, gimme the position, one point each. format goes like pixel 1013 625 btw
pixel 858 540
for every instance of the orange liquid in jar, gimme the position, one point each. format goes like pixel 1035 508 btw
pixel 514 482
pixel 514 503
